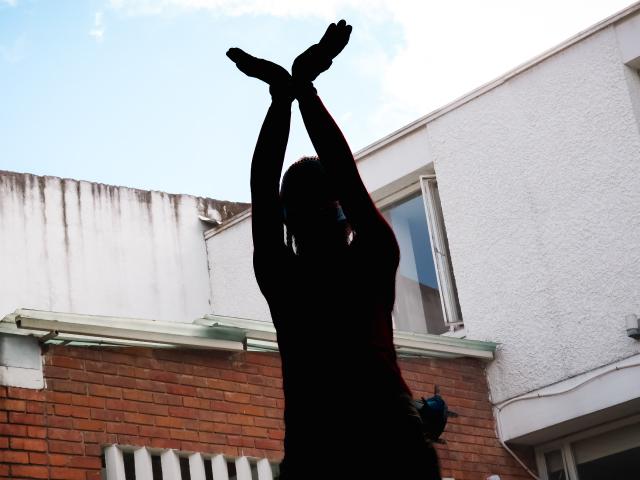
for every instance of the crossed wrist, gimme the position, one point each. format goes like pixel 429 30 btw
pixel 303 88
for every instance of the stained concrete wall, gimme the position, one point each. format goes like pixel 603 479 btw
pixel 81 247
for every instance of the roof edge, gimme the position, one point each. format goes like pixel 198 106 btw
pixel 424 120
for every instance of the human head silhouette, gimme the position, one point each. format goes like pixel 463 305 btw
pixel 312 212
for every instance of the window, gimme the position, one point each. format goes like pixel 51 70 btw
pixel 611 451
pixel 426 295
pixel 139 463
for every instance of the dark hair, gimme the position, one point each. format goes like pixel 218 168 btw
pixel 305 183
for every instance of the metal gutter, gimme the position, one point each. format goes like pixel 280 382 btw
pixel 210 331
pixel 406 343
pixel 55 326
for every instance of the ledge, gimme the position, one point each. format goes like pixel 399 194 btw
pixel 211 331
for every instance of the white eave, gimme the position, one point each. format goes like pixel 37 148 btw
pixel 210 331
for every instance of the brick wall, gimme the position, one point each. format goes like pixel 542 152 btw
pixel 203 401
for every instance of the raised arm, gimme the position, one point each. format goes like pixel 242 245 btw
pixel 329 142
pixel 268 156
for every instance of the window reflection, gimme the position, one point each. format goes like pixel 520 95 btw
pixel 418 307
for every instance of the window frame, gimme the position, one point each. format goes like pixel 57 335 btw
pixel 424 186
pixel 565 445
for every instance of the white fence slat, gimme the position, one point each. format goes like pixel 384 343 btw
pixel 264 470
pixel 243 469
pixel 142 461
pixel 219 468
pixel 196 467
pixel 170 466
pixel 114 463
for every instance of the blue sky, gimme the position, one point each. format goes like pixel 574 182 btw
pixel 140 93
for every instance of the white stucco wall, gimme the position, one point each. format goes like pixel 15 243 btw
pixel 234 290
pixel 539 186
pixel 81 247
pixel 538 177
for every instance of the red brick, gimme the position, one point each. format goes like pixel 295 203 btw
pixel 85 462
pixel 171 422
pixel 125 405
pixel 31 444
pixel 107 415
pixel 184 435
pixel 268 444
pixel 122 428
pixel 154 432
pixel 29 471
pixel 212 416
pixel 101 367
pixel 104 391
pixel 213 438
pixel 183 412
pixel 13 405
pixel 99 437
pixel 117 381
pixel 38 458
pixel 240 419
pixel 276 434
pixel 58 397
pixel 56 372
pixel 67 362
pixel 36 407
pixel 210 394
pixel 226 406
pixel 62 434
pixel 252 431
pixel 86 377
pixel 59 446
pixel 139 418
pixel 26 418
pixel 91 425
pixel 36 432
pixel 151 385
pixel 59 460
pixel 137 395
pixel 240 441
pixel 26 394
pixel 11 430
pixel 162 376
pixel 60 422
pixel 184 390
pixel 8 456
pixel 67 386
pixel 60 473
pixel 72 411
pixel 228 428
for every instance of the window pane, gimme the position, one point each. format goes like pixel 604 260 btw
pixel 612 455
pixel 418 307
pixel 555 465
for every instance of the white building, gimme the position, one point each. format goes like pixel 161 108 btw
pixel 531 185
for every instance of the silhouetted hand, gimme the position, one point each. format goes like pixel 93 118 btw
pixel 271 73
pixel 318 58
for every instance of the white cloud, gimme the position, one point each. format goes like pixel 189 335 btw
pixel 97 32
pixel 446 48
pixel 11 3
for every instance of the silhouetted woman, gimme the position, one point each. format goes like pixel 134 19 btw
pixel 330 287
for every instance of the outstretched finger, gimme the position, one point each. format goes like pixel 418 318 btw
pixel 236 54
